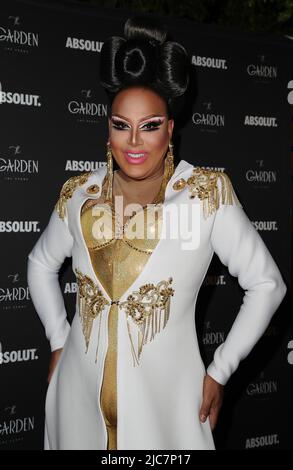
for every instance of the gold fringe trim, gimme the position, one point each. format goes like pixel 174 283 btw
pixel 99 333
pixel 91 304
pixel 203 183
pixel 67 191
pixel 149 309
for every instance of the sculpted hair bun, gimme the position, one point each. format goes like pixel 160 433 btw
pixel 145 28
pixel 144 57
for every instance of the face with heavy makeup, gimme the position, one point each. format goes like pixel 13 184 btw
pixel 139 132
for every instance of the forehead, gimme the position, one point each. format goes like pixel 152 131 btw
pixel 138 102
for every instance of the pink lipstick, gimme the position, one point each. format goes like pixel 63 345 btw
pixel 136 158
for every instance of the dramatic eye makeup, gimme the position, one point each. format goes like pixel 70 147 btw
pixel 151 125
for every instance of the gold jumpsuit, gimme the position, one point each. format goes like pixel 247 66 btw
pixel 117 262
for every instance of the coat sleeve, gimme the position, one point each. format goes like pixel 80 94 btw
pixel 240 248
pixel 44 262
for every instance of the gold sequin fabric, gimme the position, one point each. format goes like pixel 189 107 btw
pixel 148 309
pixel 203 183
pixel 119 253
pixel 118 258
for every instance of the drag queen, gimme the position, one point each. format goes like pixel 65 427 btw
pixel 127 373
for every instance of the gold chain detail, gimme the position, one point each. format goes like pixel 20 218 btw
pixel 67 191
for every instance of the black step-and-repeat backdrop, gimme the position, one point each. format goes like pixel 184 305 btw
pixel 53 115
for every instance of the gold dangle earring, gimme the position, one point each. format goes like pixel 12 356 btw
pixel 169 162
pixel 109 192
pixel 168 172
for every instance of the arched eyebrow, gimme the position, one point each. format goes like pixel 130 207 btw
pixel 142 119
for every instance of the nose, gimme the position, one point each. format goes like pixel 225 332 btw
pixel 134 137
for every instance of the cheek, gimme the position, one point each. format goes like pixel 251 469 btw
pixel 157 140
pixel 118 139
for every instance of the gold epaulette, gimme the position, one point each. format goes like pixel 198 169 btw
pixel 67 191
pixel 203 184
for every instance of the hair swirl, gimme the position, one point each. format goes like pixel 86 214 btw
pixel 145 57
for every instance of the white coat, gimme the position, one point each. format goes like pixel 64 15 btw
pixel 158 401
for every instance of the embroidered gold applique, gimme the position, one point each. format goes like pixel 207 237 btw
pixel 203 184
pixel 149 309
pixel 67 190
pixel 179 184
pixel 93 189
pixel 91 304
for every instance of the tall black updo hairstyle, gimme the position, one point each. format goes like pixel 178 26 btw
pixel 144 57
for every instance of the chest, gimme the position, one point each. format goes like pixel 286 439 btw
pixel 166 238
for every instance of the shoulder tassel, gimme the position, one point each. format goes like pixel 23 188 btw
pixel 203 183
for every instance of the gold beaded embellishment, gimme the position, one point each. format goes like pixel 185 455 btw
pixel 203 184
pixel 67 190
pixel 149 309
pixel 91 303
pixel 93 189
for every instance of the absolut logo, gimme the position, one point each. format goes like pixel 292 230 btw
pixel 19 226
pixel 209 62
pixel 70 288
pixel 22 38
pixel 261 176
pixel 262 441
pixel 84 44
pixel 265 225
pixel 215 280
pixel 260 121
pixel 22 99
pixel 75 165
pixel 22 355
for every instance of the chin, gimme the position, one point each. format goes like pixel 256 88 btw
pixel 134 170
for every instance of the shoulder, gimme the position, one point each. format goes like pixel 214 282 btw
pixel 213 188
pixel 68 188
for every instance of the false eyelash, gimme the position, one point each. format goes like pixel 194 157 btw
pixel 154 125
pixel 118 125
